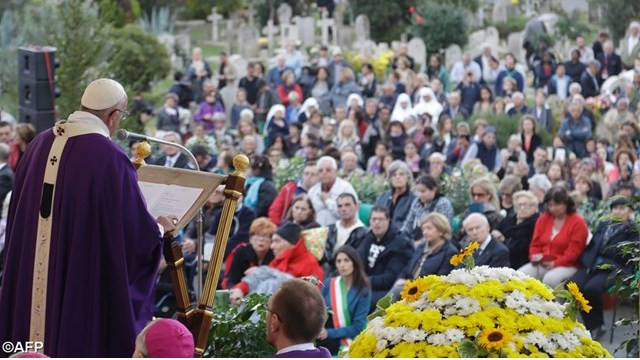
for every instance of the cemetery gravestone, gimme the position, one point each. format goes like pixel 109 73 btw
pixel 270 30
pixel 418 51
pixel 452 55
pixel 325 23
pixel 306 30
pixel 214 18
pixel 362 28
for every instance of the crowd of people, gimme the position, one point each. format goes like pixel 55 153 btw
pixel 413 129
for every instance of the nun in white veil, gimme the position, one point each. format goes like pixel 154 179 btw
pixel 428 103
pixel 402 109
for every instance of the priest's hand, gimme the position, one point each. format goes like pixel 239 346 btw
pixel 168 223
pixel 323 334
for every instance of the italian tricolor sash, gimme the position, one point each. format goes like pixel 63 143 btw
pixel 339 306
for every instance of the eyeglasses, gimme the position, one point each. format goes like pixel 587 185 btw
pixel 264 238
pixel 124 114
pixel 266 308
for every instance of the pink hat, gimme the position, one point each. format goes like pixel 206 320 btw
pixel 168 338
pixel 29 354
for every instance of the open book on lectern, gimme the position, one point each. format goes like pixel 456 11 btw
pixel 179 192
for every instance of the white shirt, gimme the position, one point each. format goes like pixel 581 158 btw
pixel 171 160
pixel 561 87
pixel 459 69
pixel 484 244
pixel 327 212
pixel 342 233
pixel 297 347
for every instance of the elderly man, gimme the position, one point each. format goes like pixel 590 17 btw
pixel 324 195
pixel 385 252
pixel 519 106
pixel 630 45
pixel 82 250
pixel 455 108
pixel 486 151
pixel 539 184
pixel 540 161
pixel 575 130
pixel 274 75
pixel 491 252
pixel 173 157
pixel 350 166
pixel 589 80
pixel 462 67
pixel 296 314
pixel 484 60
pixel 610 62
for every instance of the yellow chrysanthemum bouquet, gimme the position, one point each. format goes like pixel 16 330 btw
pixel 478 312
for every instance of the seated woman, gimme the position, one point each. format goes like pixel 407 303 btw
pixel 398 200
pixel 432 255
pixel 428 200
pixel 602 249
pixel 244 256
pixel 485 201
pixel 301 212
pixel 292 260
pixel 348 319
pixel 260 190
pixel 559 237
pixel 516 229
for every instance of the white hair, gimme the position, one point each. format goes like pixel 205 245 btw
pixel 331 161
pixel 540 181
pixel 174 134
pixel 473 216
pixel 437 156
pixel 575 85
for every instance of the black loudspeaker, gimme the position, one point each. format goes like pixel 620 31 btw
pixel 41 120
pixel 37 85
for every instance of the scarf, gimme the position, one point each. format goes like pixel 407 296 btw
pixel 339 305
pixel 253 190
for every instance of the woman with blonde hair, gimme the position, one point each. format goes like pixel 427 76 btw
pixel 348 136
pixel 484 200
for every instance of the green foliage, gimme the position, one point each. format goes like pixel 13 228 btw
pixel 455 187
pixel 513 24
pixel 267 8
pixel 119 13
pixel 239 332
pixel 368 187
pixel 439 25
pixel 10 39
pixel 289 173
pixel 569 26
pixel 505 126
pixel 381 307
pixel 388 18
pixel 74 28
pixel 137 58
pixel 616 15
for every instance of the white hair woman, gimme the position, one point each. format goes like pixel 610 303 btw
pixel 400 197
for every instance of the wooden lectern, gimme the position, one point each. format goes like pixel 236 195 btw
pixel 197 319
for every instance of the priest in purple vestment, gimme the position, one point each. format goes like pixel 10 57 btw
pixel 296 314
pixel 82 251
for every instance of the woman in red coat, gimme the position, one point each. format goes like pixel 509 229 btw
pixel 558 240
pixel 288 85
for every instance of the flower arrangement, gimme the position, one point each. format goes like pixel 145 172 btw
pixel 380 64
pixel 478 312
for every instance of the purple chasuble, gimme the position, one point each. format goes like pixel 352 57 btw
pixel 319 352
pixel 104 252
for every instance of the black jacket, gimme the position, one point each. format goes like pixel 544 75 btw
pixel 244 258
pixel 603 249
pixel 6 184
pixel 589 87
pixel 437 263
pixel 401 208
pixel 495 255
pixel 536 141
pixel 354 240
pixel 266 195
pixel 517 238
pixel 182 162
pixel 389 263
pixel 614 65
pixel 574 70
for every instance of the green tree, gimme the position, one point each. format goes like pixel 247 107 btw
pixel 439 25
pixel 74 28
pixel 119 13
pixel 199 9
pixel 136 58
pixel 616 15
pixel 389 18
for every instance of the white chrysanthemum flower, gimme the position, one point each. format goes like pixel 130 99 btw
pixel 381 345
pixel 437 339
pixel 414 335
pixel 541 341
pixel 454 335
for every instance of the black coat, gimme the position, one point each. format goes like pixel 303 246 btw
pixel 6 184
pixel 182 162
pixel 574 70
pixel 401 208
pixel 545 120
pixel 240 225
pixel 355 238
pixel 437 263
pixel 517 238
pixel 536 141
pixel 495 255
pixel 603 250
pixel 388 264
pixel 614 65
pixel 244 258
pixel 589 87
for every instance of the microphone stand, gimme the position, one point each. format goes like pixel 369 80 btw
pixel 124 135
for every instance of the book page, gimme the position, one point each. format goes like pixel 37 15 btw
pixel 168 200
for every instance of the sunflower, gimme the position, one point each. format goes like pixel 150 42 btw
pixel 584 303
pixel 494 338
pixel 413 290
pixel 467 251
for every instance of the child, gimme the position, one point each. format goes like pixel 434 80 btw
pixel 164 338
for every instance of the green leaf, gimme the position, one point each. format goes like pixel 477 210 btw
pixel 468 349
pixel 384 302
pixel 375 314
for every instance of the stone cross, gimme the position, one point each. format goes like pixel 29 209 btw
pixel 214 18
pixel 325 23
pixel 251 14
pixel 270 30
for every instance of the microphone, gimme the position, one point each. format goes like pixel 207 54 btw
pixel 124 135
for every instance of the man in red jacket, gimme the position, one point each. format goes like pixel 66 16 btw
pixel 280 206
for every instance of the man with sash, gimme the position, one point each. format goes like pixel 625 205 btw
pixel 82 251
